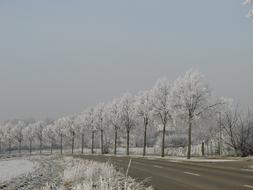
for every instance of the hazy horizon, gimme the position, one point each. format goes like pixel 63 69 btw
pixel 58 57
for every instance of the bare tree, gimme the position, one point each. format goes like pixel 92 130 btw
pixel 239 131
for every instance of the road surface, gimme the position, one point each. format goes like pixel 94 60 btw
pixel 182 175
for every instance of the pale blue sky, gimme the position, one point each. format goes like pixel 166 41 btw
pixel 57 57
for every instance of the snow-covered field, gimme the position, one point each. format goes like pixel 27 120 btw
pixel 62 173
pixel 33 173
pixel 13 168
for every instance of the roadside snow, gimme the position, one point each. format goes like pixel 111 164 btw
pixel 62 173
pixel 90 175
pixel 47 169
pixel 13 168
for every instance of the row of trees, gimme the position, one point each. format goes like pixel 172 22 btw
pixel 238 127
pixel 183 105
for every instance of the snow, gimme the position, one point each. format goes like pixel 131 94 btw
pixel 45 172
pixel 13 168
pixel 100 175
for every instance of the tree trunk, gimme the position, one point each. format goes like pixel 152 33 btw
pixel 30 148
pixel 92 143
pixel 73 142
pixel 220 135
pixel 19 147
pixel 203 149
pixel 9 147
pixel 127 150
pixel 40 146
pixel 115 141
pixel 51 149
pixel 0 146
pixel 61 143
pixel 163 139
pixel 189 137
pixel 145 136
pixel 82 142
pixel 102 141
pixel 207 148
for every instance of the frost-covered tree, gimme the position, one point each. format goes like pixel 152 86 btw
pixel 8 135
pixel 249 3
pixel 1 138
pixel 128 117
pixel 99 122
pixel 17 131
pixel 29 134
pixel 60 126
pixel 69 130
pixel 89 119
pixel 49 134
pixel 144 110
pixel 162 106
pixel 115 119
pixel 107 128
pixel 39 127
pixel 191 97
pixel 81 127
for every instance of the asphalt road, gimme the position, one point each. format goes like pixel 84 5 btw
pixel 181 175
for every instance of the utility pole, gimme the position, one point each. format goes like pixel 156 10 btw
pixel 220 135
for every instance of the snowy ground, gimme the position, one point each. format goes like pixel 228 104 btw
pixel 35 176
pixel 13 168
pixel 62 173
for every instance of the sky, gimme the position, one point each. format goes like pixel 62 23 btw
pixel 59 57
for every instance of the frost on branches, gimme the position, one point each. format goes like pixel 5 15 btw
pixel 249 3
pixel 175 114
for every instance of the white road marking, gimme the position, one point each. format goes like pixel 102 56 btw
pixel 189 173
pixel 175 161
pixel 160 167
pixel 151 158
pixel 248 186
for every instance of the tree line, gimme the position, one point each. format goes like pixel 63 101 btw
pixel 185 104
